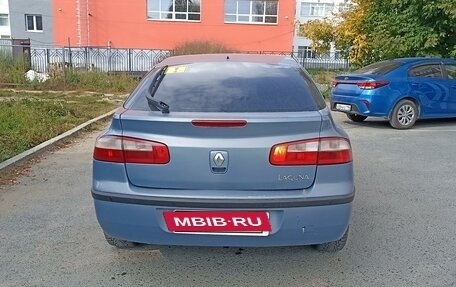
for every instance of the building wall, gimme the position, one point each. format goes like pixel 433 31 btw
pixel 124 24
pixel 20 8
pixel 5 31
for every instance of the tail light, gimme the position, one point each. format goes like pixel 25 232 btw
pixel 370 85
pixel 323 151
pixel 130 150
pixel 334 83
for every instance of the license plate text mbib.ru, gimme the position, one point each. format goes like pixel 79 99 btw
pixel 231 221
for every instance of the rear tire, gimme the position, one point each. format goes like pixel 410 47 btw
pixel 333 246
pixel 119 243
pixel 404 115
pixel 356 118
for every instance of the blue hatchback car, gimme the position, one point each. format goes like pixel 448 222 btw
pixel 400 90
pixel 224 150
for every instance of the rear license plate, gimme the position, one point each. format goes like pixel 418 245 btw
pixel 342 107
pixel 251 223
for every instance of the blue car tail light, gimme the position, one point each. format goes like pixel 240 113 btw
pixel 370 85
pixel 364 85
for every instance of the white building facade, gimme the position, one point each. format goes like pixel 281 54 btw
pixel 5 28
pixel 307 10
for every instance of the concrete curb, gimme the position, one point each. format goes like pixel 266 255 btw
pixel 50 143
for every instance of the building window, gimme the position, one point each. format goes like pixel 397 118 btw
pixel 305 52
pixel 180 10
pixel 34 23
pixel 4 20
pixel 316 9
pixel 251 11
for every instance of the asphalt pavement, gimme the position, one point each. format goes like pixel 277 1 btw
pixel 403 229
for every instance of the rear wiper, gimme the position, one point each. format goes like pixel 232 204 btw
pixel 161 106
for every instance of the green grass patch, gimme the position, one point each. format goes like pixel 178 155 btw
pixel 27 120
pixel 12 71
pixel 12 74
pixel 324 78
pixel 89 81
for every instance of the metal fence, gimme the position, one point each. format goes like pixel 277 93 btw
pixel 103 59
pixel 97 59
pixel 6 46
pixel 107 59
pixel 326 61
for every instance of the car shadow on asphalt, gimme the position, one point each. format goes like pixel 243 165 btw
pixel 230 259
pixel 176 253
pixel 222 266
pixel 448 123
pixel 165 249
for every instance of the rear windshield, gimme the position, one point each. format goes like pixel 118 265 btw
pixel 231 87
pixel 379 68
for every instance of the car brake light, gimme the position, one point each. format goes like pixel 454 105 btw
pixel 130 150
pixel 219 123
pixel 323 151
pixel 334 83
pixel 370 85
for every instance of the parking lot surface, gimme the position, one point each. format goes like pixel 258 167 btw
pixel 403 229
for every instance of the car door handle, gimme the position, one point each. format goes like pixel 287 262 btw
pixel 453 86
pixel 415 85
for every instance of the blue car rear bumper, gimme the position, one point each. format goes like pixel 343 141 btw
pixel 304 225
pixel 368 105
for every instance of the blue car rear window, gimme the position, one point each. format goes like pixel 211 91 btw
pixel 379 68
pixel 231 87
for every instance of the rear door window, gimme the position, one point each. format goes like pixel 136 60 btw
pixel 379 68
pixel 426 71
pixel 232 87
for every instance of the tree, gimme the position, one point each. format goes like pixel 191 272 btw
pixel 351 35
pixel 346 31
pixel 374 30
pixel 321 34
pixel 405 28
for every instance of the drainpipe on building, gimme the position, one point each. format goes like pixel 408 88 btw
pixel 88 22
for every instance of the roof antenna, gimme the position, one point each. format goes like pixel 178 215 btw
pixel 227 57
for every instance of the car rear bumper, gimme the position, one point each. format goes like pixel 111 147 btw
pixel 366 106
pixel 302 223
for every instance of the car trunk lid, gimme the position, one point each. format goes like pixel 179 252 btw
pixel 354 85
pixel 216 151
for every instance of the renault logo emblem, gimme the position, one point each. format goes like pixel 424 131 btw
pixel 218 159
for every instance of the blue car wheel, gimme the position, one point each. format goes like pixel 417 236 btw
pixel 404 115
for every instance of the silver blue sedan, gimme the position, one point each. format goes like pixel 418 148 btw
pixel 224 150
